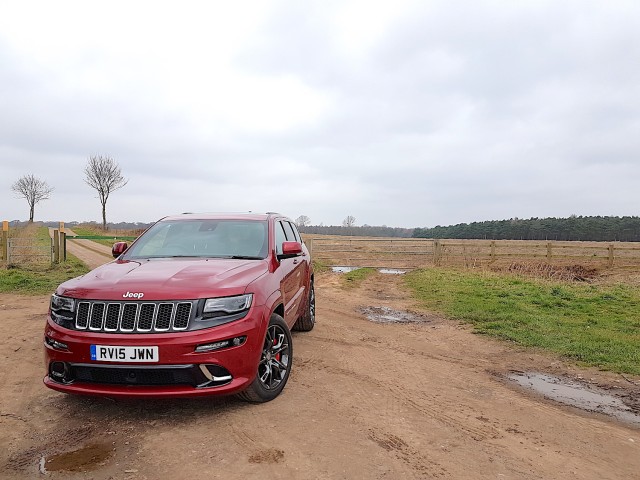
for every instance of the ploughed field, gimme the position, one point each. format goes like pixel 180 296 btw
pixel 380 389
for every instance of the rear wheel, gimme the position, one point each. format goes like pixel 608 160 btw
pixel 307 321
pixel 275 363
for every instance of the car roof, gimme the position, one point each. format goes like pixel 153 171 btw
pixel 223 216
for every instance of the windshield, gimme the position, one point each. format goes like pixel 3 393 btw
pixel 203 238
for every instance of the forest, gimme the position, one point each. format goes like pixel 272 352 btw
pixel 589 228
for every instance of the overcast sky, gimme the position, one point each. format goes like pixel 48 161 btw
pixel 400 113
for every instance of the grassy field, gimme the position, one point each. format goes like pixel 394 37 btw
pixel 598 325
pixel 113 234
pixel 40 280
pixel 36 278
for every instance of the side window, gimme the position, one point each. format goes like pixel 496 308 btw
pixel 289 232
pixel 295 232
pixel 280 237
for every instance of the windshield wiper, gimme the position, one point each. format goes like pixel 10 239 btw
pixel 244 257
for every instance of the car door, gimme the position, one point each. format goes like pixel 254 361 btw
pixel 292 285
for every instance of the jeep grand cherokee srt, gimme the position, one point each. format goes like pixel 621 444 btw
pixel 197 305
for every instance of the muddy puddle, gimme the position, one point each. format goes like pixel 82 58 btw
pixel 386 271
pixel 579 395
pixel 389 315
pixel 83 459
pixel 343 269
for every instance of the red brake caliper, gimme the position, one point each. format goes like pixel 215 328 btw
pixel 275 342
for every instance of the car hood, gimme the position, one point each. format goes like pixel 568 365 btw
pixel 165 279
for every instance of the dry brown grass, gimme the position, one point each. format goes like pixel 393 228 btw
pixel 566 259
pixel 572 273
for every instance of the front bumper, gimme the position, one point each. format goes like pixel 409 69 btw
pixel 180 371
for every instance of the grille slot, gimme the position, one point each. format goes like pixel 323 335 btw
pixel 163 320
pixel 112 317
pixel 97 314
pixel 181 320
pixel 82 318
pixel 145 318
pixel 129 312
pixel 132 317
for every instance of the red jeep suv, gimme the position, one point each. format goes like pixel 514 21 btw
pixel 197 305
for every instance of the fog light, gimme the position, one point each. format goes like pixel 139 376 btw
pixel 210 347
pixel 57 370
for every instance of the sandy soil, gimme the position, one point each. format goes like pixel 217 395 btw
pixel 365 400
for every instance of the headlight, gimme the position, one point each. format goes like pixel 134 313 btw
pixel 62 303
pixel 228 305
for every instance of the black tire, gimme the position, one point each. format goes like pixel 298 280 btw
pixel 275 363
pixel 307 321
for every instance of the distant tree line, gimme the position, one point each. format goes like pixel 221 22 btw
pixel 606 229
pixel 110 225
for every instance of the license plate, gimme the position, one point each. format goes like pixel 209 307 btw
pixel 108 353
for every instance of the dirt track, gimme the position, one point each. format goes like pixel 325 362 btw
pixel 365 400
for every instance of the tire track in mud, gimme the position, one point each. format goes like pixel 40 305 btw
pixel 419 462
pixel 399 396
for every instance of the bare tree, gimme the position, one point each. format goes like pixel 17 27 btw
pixel 302 221
pixel 33 190
pixel 349 221
pixel 104 176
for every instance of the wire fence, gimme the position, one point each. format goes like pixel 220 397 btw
pixel 409 253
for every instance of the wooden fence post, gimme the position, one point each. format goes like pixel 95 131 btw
pixel 548 250
pixel 63 247
pixel 56 246
pixel 5 241
pixel 611 257
pixel 436 252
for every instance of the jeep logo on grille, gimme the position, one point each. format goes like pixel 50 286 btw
pixel 133 295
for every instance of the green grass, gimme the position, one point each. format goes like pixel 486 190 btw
pixel 319 266
pixel 356 277
pixel 113 238
pixel 42 236
pixel 38 280
pixel 596 325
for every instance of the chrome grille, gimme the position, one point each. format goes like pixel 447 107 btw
pixel 133 317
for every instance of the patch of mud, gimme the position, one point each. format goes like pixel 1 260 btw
pixel 271 455
pixel 81 460
pixel 575 394
pixel 28 459
pixel 389 315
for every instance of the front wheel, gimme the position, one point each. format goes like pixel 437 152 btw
pixel 275 363
pixel 308 320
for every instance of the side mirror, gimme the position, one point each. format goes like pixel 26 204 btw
pixel 290 249
pixel 118 249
